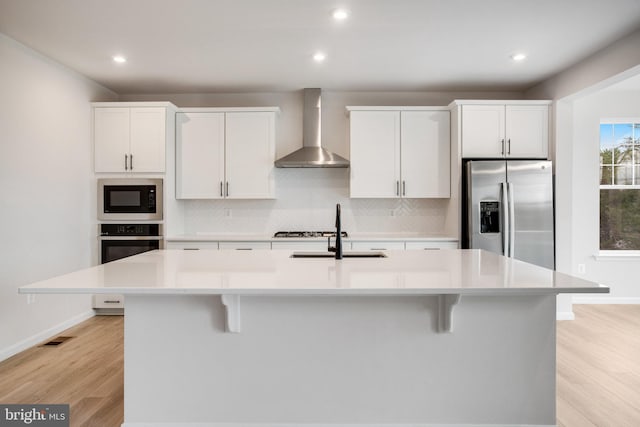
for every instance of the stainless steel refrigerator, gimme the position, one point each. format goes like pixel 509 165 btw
pixel 508 209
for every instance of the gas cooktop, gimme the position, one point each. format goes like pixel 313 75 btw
pixel 308 234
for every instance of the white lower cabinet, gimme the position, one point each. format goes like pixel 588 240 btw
pixel 244 246
pixel 108 301
pixel 194 246
pixel 431 245
pixel 378 245
pixel 302 246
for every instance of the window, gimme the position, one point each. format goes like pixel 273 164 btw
pixel 620 185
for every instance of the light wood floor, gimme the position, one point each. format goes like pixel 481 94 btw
pixel 598 370
pixel 87 372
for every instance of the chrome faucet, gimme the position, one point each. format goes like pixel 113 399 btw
pixel 338 247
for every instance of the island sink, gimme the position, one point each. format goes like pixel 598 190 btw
pixel 372 254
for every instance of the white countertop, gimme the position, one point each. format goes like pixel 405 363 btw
pixel 267 272
pixel 239 237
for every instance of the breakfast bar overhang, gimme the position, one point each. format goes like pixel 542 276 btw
pixel 418 338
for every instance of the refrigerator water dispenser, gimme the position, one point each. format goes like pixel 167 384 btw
pixel 490 217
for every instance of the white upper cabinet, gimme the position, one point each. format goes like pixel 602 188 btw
pixel 375 154
pixel 425 154
pixel 499 130
pixel 250 153
pixel 200 155
pixel 129 139
pixel 225 154
pixel 399 153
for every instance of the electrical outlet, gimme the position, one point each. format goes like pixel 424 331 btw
pixel 31 298
pixel 392 212
pixel 582 268
pixel 227 213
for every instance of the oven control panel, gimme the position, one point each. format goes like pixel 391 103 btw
pixel 130 230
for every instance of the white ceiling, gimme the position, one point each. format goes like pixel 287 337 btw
pixel 183 46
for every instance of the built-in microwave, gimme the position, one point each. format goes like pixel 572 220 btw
pixel 130 199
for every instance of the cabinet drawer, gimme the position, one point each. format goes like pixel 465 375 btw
pixel 247 246
pixel 431 245
pixel 191 245
pixel 108 301
pixel 381 245
pixel 302 246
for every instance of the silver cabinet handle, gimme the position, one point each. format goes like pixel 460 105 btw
pixel 125 162
pixel 502 149
pixel 115 301
pixel 244 249
pixel 397 188
pixel 509 146
pixel 190 249
pixel 431 249
pixel 130 161
pixel 227 195
pixel 404 188
pixel 221 194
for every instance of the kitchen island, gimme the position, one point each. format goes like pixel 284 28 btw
pixel 418 338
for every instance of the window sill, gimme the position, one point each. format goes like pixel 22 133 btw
pixel 617 256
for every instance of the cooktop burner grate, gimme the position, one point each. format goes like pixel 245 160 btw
pixel 308 234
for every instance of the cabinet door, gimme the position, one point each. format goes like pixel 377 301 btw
pixel 425 154
pixel 375 154
pixel 483 131
pixel 250 153
pixel 527 131
pixel 111 139
pixel 148 139
pixel 199 155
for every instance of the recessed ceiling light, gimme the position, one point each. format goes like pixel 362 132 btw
pixel 319 57
pixel 518 57
pixel 340 14
pixel 119 59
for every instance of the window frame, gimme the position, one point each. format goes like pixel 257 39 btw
pixel 618 254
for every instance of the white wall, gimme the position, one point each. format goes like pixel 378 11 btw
pixel 305 199
pixel 46 183
pixel 620 275
pixel 576 92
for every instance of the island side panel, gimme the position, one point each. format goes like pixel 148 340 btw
pixel 340 360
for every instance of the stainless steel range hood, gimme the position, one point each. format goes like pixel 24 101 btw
pixel 312 155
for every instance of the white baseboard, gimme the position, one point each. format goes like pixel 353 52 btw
pixel 565 315
pixel 41 336
pixel 160 424
pixel 605 300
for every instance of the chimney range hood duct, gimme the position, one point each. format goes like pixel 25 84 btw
pixel 312 155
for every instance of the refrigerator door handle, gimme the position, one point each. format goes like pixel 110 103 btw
pixel 505 218
pixel 512 222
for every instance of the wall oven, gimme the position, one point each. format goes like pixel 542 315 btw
pixel 130 199
pixel 122 240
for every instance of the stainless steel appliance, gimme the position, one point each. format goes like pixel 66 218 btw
pixel 129 199
pixel 119 241
pixel 122 240
pixel 508 209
